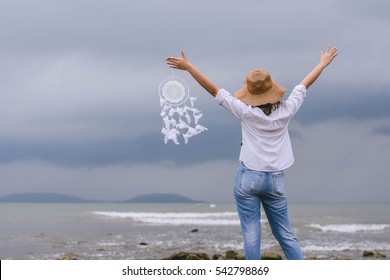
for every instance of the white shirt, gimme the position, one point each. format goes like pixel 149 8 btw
pixel 266 144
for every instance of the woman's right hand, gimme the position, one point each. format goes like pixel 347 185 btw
pixel 179 63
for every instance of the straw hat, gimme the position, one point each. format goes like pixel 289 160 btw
pixel 259 89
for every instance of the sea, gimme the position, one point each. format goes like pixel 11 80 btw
pixel 138 231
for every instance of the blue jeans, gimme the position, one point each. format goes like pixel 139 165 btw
pixel 253 188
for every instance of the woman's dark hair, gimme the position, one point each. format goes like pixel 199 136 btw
pixel 268 108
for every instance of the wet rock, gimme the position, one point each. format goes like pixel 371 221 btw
pixel 233 255
pixel 218 257
pixel 188 256
pixel 203 256
pixel 193 257
pixel 194 230
pixel 68 257
pixel 373 254
pixel 178 256
pixel 229 255
pixel 271 256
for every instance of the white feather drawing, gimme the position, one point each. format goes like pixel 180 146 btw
pixel 170 134
pixel 197 117
pixel 192 100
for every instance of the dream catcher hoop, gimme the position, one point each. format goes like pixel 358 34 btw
pixel 180 117
pixel 174 91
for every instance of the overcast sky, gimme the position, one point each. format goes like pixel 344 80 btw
pixel 80 112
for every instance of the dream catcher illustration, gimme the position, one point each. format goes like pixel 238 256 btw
pixel 180 117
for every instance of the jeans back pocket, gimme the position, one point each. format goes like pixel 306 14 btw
pixel 278 183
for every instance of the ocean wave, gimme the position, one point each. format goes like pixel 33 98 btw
pixel 173 218
pixel 345 246
pixel 349 228
pixel 328 248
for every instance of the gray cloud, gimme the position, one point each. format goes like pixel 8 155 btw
pixel 333 103
pixel 382 130
pixel 221 143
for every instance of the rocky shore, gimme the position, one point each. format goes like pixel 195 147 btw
pixel 233 255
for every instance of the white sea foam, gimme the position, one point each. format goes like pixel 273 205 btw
pixel 349 228
pixel 173 218
pixel 345 246
pixel 329 248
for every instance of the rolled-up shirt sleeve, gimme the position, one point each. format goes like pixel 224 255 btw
pixel 295 99
pixel 221 96
pixel 233 105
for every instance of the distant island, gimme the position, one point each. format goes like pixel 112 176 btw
pixel 161 198
pixel 41 197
